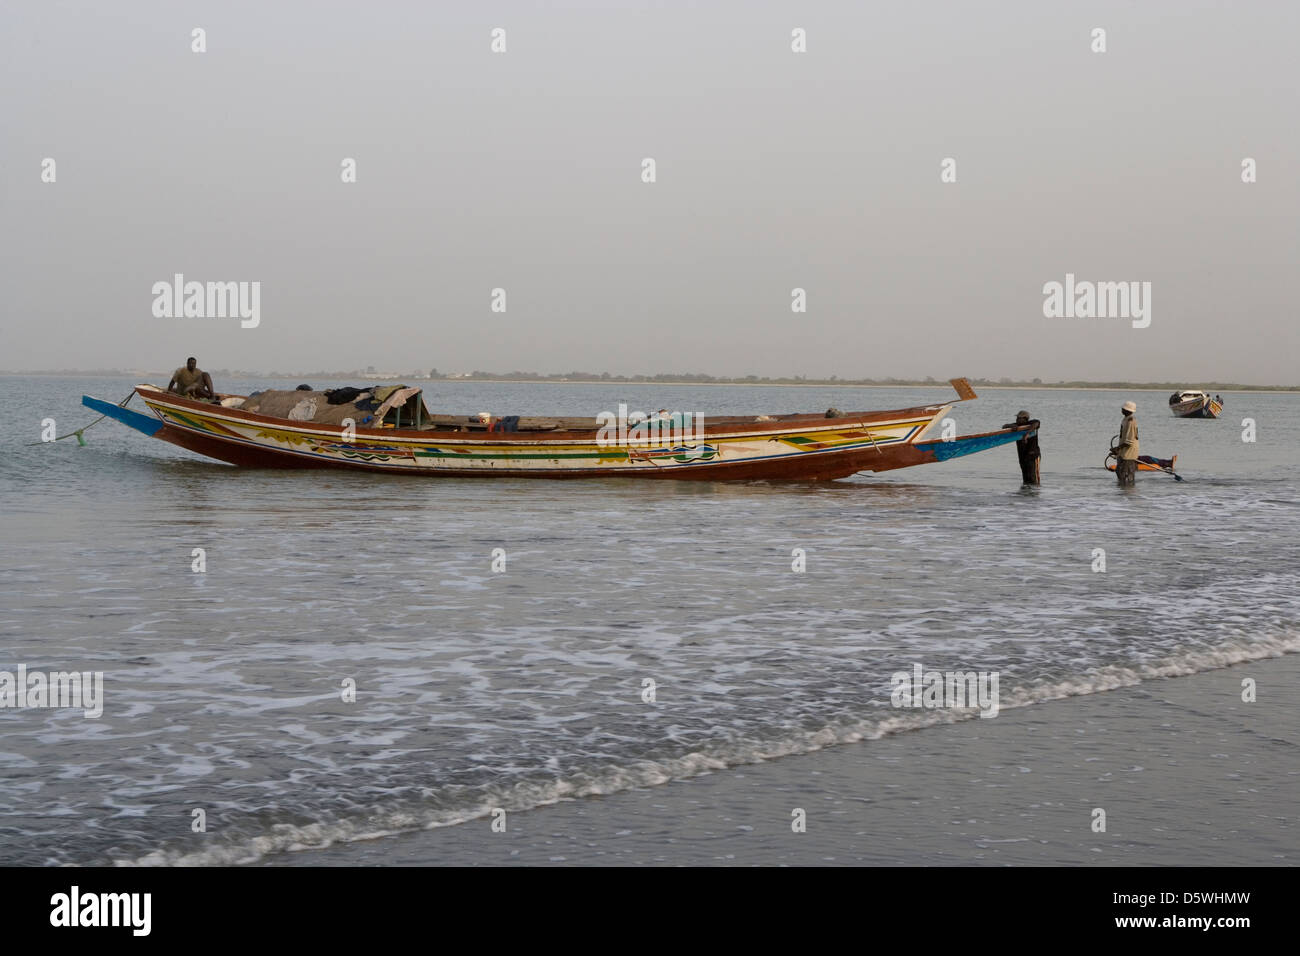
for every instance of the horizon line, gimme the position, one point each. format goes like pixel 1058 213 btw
pixel 663 378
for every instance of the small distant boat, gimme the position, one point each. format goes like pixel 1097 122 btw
pixel 392 431
pixel 1194 404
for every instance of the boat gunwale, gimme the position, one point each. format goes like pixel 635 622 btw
pixel 798 424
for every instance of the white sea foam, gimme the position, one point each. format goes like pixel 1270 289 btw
pixel 526 796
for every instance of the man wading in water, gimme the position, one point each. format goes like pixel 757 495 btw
pixel 1027 449
pixel 191 381
pixel 1126 452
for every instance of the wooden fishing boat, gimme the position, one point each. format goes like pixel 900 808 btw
pixel 1191 403
pixel 391 430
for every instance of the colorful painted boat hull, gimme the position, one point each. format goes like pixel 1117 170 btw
pixel 1201 406
pixel 807 448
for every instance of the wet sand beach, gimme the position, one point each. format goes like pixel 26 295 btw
pixel 1187 773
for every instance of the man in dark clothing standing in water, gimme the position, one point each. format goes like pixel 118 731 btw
pixel 1027 448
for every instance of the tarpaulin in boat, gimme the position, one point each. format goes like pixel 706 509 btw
pixel 314 406
pixel 395 399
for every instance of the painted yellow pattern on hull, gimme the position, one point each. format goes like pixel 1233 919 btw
pixel 541 455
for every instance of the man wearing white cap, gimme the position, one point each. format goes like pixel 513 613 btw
pixel 1126 452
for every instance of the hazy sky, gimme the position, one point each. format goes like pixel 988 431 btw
pixel 775 170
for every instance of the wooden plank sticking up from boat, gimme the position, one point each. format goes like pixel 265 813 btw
pixel 964 392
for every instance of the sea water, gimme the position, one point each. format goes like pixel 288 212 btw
pixel 364 654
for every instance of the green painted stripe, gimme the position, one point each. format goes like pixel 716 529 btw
pixel 515 456
pixel 201 425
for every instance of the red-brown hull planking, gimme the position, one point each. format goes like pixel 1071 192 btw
pixel 811 467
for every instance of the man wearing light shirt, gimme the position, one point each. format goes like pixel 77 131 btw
pixel 191 381
pixel 1126 452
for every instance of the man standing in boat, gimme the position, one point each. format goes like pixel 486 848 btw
pixel 1126 452
pixel 191 381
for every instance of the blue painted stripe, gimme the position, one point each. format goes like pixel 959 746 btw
pixel 943 450
pixel 127 416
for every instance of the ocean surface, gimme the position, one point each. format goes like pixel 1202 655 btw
pixel 475 689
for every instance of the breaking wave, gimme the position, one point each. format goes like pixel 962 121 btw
pixel 526 796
